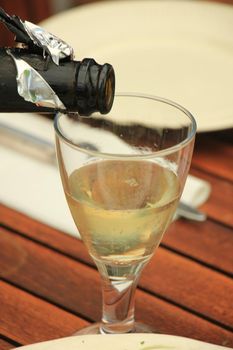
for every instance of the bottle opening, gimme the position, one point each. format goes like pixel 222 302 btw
pixel 95 87
pixel 106 88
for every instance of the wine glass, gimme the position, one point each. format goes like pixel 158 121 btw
pixel 123 174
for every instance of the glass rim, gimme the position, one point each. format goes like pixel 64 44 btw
pixel 152 154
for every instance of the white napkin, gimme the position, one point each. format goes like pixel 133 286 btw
pixel 34 187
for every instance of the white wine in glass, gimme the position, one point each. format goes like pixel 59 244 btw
pixel 123 175
pixel 122 207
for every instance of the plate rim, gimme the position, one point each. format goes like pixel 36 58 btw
pixel 225 119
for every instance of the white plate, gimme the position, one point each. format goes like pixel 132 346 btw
pixel 124 342
pixel 182 50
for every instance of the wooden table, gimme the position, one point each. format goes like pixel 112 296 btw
pixel 49 287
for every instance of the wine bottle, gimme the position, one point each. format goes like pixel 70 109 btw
pixel 82 86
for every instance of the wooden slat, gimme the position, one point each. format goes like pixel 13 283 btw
pixel 207 242
pixel 188 284
pixel 27 319
pixel 41 232
pixel 5 345
pixel 199 240
pixel 77 288
pixel 166 268
pixel 168 319
pixel 219 205
pixel 214 157
pixel 58 278
pixel 155 313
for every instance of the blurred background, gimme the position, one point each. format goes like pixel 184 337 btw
pixel 34 11
pixel 38 10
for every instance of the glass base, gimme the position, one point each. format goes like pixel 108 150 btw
pixel 96 328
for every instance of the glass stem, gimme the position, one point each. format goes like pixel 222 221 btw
pixel 118 292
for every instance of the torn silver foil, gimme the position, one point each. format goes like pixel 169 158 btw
pixel 56 48
pixel 32 86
